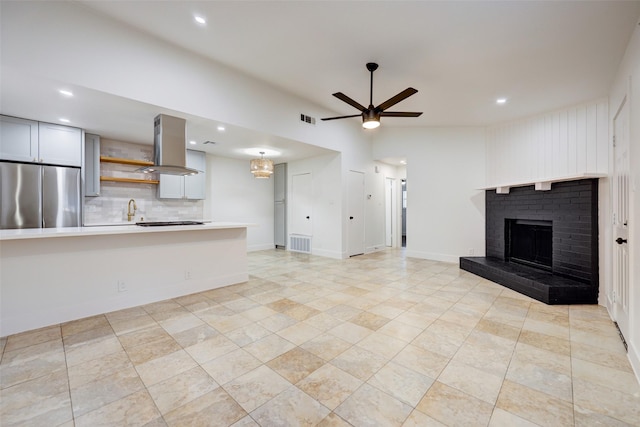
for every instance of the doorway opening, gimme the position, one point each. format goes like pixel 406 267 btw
pixel 404 213
pixel 390 213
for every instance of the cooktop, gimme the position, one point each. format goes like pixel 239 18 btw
pixel 166 223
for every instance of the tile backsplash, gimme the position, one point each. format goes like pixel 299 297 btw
pixel 111 206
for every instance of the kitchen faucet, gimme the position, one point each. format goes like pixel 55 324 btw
pixel 129 213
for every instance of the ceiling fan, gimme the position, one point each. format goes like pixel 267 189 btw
pixel 371 115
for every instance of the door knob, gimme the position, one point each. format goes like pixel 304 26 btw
pixel 350 217
pixel 620 240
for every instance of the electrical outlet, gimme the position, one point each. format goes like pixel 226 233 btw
pixel 122 287
pixel 187 274
pixel 471 251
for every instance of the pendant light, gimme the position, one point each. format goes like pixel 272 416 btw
pixel 261 168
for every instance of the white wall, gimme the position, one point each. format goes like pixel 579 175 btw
pixel 627 83
pixel 326 210
pixel 46 281
pixel 553 145
pixel 445 209
pixel 233 194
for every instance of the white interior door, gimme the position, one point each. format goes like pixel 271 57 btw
pixel 301 203
pixel 390 206
pixel 621 219
pixel 355 210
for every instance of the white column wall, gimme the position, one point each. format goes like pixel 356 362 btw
pixel 445 210
pixel 233 194
pixel 627 83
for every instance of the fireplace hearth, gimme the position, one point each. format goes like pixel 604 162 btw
pixel 543 244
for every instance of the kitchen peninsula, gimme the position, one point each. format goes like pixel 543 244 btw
pixel 50 276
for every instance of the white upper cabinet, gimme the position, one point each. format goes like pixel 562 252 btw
pixel 91 165
pixel 60 145
pixel 171 187
pixel 190 187
pixel 18 139
pixel 30 141
pixel 194 185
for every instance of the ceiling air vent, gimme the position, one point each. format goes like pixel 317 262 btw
pixel 307 119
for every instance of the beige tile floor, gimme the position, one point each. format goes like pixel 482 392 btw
pixel 376 340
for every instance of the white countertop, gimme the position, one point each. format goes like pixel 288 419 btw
pixel 39 233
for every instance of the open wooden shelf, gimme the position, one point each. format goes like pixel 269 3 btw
pixel 133 162
pixel 131 180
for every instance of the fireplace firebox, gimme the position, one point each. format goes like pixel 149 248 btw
pixel 529 242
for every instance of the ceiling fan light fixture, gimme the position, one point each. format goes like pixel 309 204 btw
pixel 370 120
pixel 261 168
pixel 371 115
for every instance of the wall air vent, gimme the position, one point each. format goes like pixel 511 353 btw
pixel 307 119
pixel 300 243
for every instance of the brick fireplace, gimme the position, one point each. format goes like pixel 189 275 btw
pixel 543 244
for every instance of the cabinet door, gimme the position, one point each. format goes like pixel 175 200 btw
pixel 18 139
pixel 171 187
pixel 194 185
pixel 91 165
pixel 60 145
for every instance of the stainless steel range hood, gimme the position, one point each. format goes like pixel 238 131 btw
pixel 169 146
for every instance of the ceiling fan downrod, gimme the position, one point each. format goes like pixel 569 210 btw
pixel 371 66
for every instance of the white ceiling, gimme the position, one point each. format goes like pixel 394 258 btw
pixel 460 55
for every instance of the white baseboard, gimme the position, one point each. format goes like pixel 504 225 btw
pixel 375 248
pixel 260 247
pixel 328 254
pixel 433 256
pixel 633 354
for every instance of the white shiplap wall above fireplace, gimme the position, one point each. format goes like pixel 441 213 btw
pixel 556 146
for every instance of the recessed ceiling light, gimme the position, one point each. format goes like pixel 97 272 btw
pixel 65 120
pixel 192 142
pixel 501 101
pixel 66 92
pixel 200 20
pixel 403 162
pixel 221 128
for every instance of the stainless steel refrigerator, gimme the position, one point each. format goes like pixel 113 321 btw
pixel 39 196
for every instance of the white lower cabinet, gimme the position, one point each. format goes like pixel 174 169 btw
pixel 186 187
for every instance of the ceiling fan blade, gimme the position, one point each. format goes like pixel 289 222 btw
pixel 341 96
pixel 394 100
pixel 399 114
pixel 342 117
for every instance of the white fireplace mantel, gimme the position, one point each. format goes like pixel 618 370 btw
pixel 542 185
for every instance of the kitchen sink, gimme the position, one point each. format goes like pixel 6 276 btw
pixel 167 223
